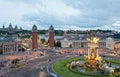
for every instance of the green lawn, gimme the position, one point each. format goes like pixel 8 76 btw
pixel 61 67
pixel 17 65
pixel 113 61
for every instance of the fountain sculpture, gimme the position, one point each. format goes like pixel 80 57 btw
pixel 93 59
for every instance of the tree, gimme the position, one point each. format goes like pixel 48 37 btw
pixel 58 44
pixel 43 40
pixel 15 61
pixel 23 49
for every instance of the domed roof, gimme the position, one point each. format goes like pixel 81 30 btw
pixel 34 28
pixel 10 26
pixel 109 38
pixel 51 29
pixel 16 27
pixel 65 39
pixel 17 39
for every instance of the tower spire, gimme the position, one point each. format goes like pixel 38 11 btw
pixel 51 36
pixel 34 37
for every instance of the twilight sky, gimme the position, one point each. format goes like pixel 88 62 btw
pixel 62 14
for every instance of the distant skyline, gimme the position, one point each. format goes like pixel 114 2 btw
pixel 62 14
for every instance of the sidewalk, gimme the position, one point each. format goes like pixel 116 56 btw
pixel 25 60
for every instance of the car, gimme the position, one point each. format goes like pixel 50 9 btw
pixel 103 55
pixel 80 54
pixel 49 60
pixel 68 56
pixel 75 55
pixel 53 75
pixel 57 54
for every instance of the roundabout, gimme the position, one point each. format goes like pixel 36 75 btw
pixel 63 68
pixel 91 65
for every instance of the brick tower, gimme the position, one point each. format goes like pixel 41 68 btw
pixel 34 38
pixel 51 36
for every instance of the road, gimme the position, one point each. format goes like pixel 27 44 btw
pixel 33 68
pixel 38 67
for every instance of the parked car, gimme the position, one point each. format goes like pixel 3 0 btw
pixel 53 75
pixel 68 56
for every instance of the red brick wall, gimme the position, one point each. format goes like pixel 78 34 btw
pixel 34 40
pixel 51 39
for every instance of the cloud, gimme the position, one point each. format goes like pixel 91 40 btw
pixel 54 12
pixel 66 14
pixel 117 23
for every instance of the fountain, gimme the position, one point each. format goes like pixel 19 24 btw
pixel 93 63
pixel 93 60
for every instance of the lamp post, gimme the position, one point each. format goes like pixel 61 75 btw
pixel 8 70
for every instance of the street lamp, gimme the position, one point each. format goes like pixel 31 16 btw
pixel 8 68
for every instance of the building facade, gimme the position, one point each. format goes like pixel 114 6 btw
pixel 77 42
pixel 11 29
pixel 110 43
pixel 117 47
pixel 11 46
pixel 66 43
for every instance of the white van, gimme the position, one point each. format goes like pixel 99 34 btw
pixel 53 75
